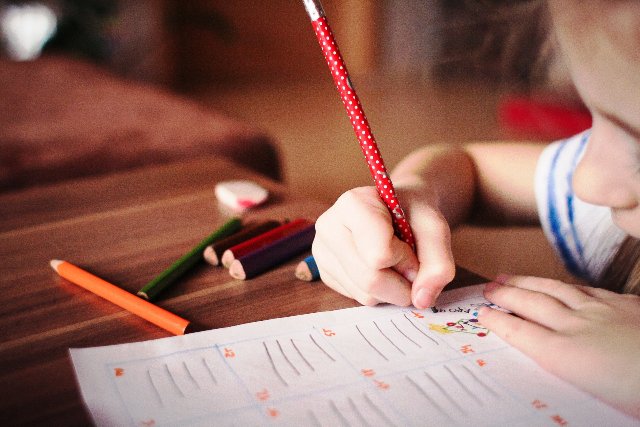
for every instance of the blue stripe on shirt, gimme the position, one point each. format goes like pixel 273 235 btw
pixel 555 221
pixel 570 196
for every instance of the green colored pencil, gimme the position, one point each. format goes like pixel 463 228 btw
pixel 178 268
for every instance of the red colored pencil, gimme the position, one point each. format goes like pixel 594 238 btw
pixel 358 119
pixel 262 240
pixel 213 253
pixel 273 254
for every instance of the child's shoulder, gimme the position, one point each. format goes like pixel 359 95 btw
pixel 561 157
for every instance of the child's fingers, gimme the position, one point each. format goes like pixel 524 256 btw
pixel 404 260
pixel 597 292
pixel 532 305
pixel 368 220
pixel 335 277
pixel 570 295
pixel 433 247
pixel 353 292
pixel 323 258
pixel 532 339
pixel 383 284
pixel 363 282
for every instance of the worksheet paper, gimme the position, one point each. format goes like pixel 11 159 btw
pixel 365 366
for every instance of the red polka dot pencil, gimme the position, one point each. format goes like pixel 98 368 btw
pixel 358 119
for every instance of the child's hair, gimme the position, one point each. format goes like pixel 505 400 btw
pixel 623 273
pixel 503 40
pixel 621 28
pixel 516 37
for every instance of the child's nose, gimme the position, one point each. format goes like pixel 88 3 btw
pixel 599 181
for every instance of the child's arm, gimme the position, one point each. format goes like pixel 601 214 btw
pixel 439 187
pixel 587 336
pixel 496 177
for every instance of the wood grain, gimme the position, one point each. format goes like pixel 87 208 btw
pixel 125 228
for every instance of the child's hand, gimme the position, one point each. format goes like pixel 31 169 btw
pixel 587 336
pixel 359 256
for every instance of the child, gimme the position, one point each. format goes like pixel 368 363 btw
pixel 585 191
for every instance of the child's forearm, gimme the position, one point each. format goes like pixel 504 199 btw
pixel 438 175
pixel 486 180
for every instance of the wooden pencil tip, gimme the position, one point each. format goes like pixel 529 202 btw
pixel 210 256
pixel 237 271
pixel 55 263
pixel 143 295
pixel 302 272
pixel 227 258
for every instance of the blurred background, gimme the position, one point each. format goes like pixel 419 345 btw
pixel 427 71
pixel 183 44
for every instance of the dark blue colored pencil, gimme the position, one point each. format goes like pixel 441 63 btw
pixel 307 270
pixel 261 260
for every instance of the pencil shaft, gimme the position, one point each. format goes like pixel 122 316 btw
pixel 187 261
pixel 277 252
pixel 307 270
pixel 358 120
pixel 264 239
pixel 122 298
pixel 245 234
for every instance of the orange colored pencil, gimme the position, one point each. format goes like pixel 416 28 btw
pixel 148 311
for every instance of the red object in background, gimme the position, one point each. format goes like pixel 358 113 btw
pixel 542 118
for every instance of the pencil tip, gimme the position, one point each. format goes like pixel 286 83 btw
pixel 302 272
pixel 54 263
pixel 210 256
pixel 236 270
pixel 227 258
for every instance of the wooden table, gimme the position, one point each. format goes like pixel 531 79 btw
pixel 125 228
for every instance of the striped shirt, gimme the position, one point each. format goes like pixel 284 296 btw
pixel 582 234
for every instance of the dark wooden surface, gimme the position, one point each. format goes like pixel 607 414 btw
pixel 125 228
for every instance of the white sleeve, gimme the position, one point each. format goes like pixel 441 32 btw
pixel 583 235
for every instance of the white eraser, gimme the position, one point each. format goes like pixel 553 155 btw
pixel 240 195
